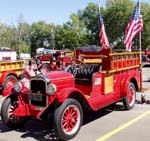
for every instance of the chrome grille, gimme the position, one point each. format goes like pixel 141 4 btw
pixel 38 89
pixel 38 86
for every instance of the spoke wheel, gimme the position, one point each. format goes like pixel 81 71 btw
pixel 68 119
pixel 129 101
pixel 131 96
pixel 11 108
pixel 7 113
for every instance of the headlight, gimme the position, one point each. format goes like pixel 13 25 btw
pixel 18 87
pixel 51 89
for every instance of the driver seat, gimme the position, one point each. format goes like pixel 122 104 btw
pixel 84 76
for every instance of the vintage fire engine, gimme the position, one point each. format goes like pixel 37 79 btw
pixel 45 55
pixel 10 67
pixel 9 72
pixel 95 79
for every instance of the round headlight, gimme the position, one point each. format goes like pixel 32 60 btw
pixel 51 89
pixel 18 87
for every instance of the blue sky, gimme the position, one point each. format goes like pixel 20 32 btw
pixel 51 11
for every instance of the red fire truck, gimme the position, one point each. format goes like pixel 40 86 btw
pixel 10 67
pixel 9 72
pixel 45 55
pixel 95 79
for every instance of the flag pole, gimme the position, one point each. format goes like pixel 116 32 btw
pixel 140 49
pixel 99 20
pixel 99 8
pixel 140 39
pixel 98 15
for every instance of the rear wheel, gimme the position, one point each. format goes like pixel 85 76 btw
pixel 68 119
pixel 8 107
pixel 129 100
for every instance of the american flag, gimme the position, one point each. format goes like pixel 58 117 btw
pixel 102 33
pixel 134 27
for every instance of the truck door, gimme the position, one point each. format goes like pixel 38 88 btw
pixel 97 84
pixel 102 84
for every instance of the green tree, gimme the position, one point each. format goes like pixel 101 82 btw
pixel 5 36
pixel 39 36
pixel 146 20
pixel 89 16
pixel 74 32
pixel 116 18
pixel 21 37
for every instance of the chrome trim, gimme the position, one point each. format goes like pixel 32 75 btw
pixel 18 85
pixel 46 81
pixel 43 77
pixel 38 107
pixel 53 87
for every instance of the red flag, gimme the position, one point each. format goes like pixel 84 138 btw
pixel 102 33
pixel 134 27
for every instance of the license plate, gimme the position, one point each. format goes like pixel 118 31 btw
pixel 35 97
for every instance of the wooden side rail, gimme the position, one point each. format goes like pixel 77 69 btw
pixel 123 60
pixel 16 65
pixel 91 59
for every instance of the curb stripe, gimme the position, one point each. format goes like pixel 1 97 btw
pixel 113 132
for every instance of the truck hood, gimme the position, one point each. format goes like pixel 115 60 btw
pixel 61 79
pixel 59 75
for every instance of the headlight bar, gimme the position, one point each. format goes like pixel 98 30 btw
pixel 51 89
pixel 18 87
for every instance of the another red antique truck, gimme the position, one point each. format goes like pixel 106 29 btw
pixel 45 55
pixel 9 72
pixel 95 79
pixel 10 67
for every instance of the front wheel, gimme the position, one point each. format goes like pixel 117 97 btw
pixel 129 100
pixel 8 107
pixel 68 119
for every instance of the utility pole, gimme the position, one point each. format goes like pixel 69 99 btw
pixel 52 38
pixel 20 19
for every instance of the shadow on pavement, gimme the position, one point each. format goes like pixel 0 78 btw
pixel 146 65
pixel 40 131
pixel 43 131
pixel 94 115
pixel 3 128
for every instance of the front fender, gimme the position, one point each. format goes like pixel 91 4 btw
pixel 65 93
pixel 7 91
pixel 10 89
